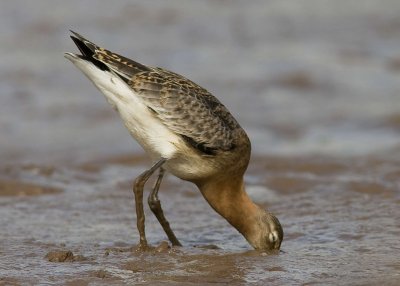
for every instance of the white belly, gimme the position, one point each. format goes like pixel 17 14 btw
pixel 155 138
pixel 151 134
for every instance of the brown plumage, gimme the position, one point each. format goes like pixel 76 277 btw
pixel 188 132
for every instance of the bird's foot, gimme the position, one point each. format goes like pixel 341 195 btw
pixel 142 247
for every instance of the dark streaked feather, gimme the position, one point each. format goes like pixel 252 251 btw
pixel 187 109
pixel 105 59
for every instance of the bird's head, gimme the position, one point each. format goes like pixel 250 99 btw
pixel 267 233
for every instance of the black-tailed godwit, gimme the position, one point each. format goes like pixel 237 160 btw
pixel 187 132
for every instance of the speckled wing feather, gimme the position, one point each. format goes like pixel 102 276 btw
pixel 187 109
pixel 183 106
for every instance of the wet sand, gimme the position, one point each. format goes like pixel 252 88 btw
pixel 314 83
pixel 340 218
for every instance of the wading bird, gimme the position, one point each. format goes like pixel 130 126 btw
pixel 187 132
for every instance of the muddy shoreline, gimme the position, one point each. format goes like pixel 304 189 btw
pixel 337 218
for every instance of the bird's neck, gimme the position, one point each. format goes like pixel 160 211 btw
pixel 229 199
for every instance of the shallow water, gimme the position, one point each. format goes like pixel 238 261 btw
pixel 314 83
pixel 340 219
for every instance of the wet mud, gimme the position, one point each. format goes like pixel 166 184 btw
pixel 16 188
pixel 63 256
pixel 339 216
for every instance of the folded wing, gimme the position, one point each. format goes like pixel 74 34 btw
pixel 183 106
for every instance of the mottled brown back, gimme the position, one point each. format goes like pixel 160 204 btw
pixel 183 106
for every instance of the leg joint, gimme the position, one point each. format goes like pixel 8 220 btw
pixel 154 205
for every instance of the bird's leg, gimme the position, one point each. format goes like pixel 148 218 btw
pixel 138 191
pixel 155 207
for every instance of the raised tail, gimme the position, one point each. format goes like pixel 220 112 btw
pixel 107 60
